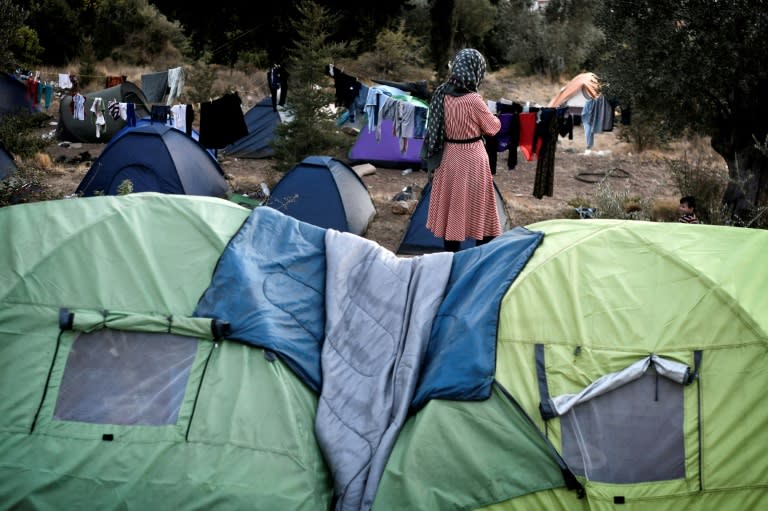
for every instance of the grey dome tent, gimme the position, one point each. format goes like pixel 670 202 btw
pixel 262 122
pixel 417 239
pixel 155 158
pixel 76 130
pixel 325 192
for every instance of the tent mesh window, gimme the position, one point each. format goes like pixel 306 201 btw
pixel 630 435
pixel 118 377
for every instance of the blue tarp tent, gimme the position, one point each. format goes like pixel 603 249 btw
pixel 325 192
pixel 262 122
pixel 155 158
pixel 13 96
pixel 417 239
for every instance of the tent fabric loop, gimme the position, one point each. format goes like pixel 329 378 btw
pixel 545 405
pixel 220 328
pixel 83 320
pixel 66 318
pixel 694 375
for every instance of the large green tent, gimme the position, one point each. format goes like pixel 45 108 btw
pixel 641 349
pixel 113 396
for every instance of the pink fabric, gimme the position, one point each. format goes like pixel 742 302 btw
pixel 462 203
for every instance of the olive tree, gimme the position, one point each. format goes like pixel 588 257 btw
pixel 701 66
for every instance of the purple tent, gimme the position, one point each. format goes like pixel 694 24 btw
pixel 385 152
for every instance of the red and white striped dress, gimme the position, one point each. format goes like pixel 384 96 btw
pixel 462 203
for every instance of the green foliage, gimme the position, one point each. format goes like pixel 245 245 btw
pixel 648 130
pixel 473 20
pixel 706 183
pixel 125 188
pixel 11 21
pixel 397 53
pixel 134 32
pixel 18 136
pixel 701 66
pixel 199 80
pixel 87 71
pixel 26 47
pixel 621 204
pixel 23 186
pixel 252 60
pixel 58 28
pixel 561 40
pixel 517 37
pixel 311 128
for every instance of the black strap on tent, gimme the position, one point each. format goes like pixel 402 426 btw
pixel 199 387
pixel 694 375
pixel 545 405
pixel 66 319
pixel 691 378
pixel 220 329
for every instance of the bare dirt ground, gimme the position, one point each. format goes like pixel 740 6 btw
pixel 645 175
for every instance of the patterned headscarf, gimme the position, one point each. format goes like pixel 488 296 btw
pixel 467 72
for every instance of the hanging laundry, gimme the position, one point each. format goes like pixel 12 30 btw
pixel 155 86
pixel 78 106
pixel 113 107
pixel 97 115
pixel 113 81
pixel 179 117
pixel 64 81
pixel 160 113
pixel 546 138
pixel 47 94
pixel 175 84
pixel 277 81
pixel 347 89
pixel 222 121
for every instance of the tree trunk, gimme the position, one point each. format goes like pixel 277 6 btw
pixel 746 195
pixel 442 35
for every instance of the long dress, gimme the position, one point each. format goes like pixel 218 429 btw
pixel 462 203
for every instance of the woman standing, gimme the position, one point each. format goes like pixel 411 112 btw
pixel 463 201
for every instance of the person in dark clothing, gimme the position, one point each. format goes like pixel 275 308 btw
pixel 277 80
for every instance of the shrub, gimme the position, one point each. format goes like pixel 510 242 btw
pixel 620 204
pixel 704 182
pixel 24 185
pixel 18 136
